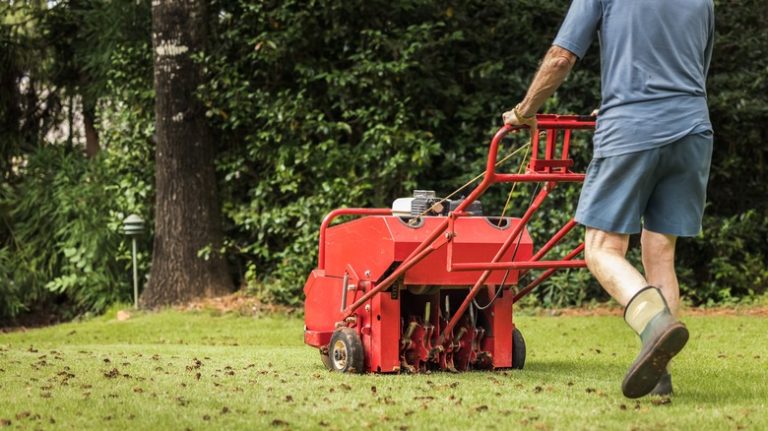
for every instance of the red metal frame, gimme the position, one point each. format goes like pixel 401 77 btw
pixel 553 168
pixel 547 123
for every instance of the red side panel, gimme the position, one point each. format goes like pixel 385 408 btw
pixel 385 336
pixel 322 304
pixel 365 244
pixel 502 331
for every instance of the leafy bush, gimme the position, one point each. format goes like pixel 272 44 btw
pixel 727 263
pixel 61 242
pixel 63 216
pixel 327 103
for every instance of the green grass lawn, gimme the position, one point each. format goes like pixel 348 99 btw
pixel 198 370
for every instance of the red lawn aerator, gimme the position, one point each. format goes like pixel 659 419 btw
pixel 429 284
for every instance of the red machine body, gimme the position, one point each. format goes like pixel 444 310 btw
pixel 394 293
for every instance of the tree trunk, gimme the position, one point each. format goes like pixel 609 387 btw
pixel 187 217
pixel 91 135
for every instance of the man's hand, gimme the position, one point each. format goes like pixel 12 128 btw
pixel 514 117
pixel 510 119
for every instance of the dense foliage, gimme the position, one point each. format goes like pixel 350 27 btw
pixel 60 237
pixel 320 104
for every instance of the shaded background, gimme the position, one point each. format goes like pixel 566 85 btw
pixel 316 105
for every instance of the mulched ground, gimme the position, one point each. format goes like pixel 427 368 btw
pixel 613 310
pixel 248 305
pixel 240 303
pixel 237 302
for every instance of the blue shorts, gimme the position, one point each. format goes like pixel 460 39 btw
pixel 662 189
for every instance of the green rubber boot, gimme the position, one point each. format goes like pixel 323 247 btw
pixel 664 387
pixel 662 336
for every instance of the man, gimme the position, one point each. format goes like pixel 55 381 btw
pixel 652 151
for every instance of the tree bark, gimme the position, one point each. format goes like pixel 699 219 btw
pixel 187 217
pixel 91 135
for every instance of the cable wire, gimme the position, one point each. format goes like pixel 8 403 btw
pixel 512 259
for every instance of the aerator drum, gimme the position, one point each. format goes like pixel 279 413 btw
pixel 430 283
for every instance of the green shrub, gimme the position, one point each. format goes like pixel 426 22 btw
pixel 328 103
pixel 727 263
pixel 60 239
pixel 63 216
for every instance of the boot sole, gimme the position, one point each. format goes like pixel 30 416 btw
pixel 647 370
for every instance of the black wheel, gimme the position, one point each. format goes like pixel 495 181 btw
pixel 325 358
pixel 518 350
pixel 346 351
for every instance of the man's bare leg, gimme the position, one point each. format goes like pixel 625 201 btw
pixel 659 265
pixel 605 255
pixel 646 309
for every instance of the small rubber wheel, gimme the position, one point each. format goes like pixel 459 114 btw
pixel 518 350
pixel 325 358
pixel 346 351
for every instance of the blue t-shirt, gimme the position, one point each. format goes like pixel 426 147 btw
pixel 655 56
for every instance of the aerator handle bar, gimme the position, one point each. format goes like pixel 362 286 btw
pixel 549 168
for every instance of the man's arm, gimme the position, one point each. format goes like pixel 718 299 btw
pixel 555 67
